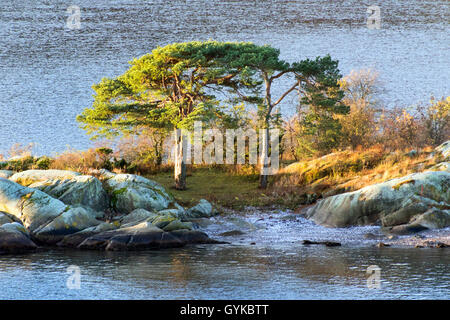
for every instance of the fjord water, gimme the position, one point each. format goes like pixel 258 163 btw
pixel 276 266
pixel 47 69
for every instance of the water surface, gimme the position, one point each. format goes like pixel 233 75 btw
pixel 47 70
pixel 277 266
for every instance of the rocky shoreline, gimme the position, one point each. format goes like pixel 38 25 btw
pixel 410 204
pixel 102 211
pixel 108 211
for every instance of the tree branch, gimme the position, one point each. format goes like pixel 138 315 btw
pixel 286 93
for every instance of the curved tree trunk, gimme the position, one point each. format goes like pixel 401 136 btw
pixel 180 164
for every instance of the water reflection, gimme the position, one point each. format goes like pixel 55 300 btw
pixel 229 271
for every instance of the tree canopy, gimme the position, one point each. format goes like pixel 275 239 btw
pixel 177 84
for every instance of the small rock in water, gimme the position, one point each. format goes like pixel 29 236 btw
pixel 231 233
pixel 326 243
pixel 435 244
pixel 381 245
pixel 442 245
pixel 252 243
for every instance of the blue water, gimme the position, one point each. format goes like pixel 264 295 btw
pixel 47 69
pixel 276 266
pixel 47 72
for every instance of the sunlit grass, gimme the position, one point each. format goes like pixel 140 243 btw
pixel 352 170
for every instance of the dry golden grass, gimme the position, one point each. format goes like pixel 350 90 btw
pixel 351 170
pixel 80 161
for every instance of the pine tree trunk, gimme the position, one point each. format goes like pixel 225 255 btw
pixel 180 165
pixel 263 178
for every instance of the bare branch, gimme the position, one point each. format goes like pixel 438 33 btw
pixel 286 93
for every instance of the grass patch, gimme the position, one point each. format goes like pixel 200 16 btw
pixel 224 188
pixel 352 170
pixel 297 184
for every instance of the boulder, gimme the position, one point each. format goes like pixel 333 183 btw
pixel 232 233
pixel 15 227
pixel 47 218
pixel 14 239
pixel 28 177
pixel 144 236
pixel 137 216
pixel 391 203
pixel 178 225
pixel 141 236
pixel 163 220
pixel 431 219
pixel 194 237
pixel 203 209
pixel 73 240
pixel 33 207
pixel 129 192
pixel 6 173
pixel 71 221
pixel 84 191
pixel 5 218
pixel 200 222
pixel 444 149
pixel 326 243
pixel 244 224
pixel 173 212
pixel 442 166
pixel 61 207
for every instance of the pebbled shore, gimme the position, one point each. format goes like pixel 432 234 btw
pixel 430 239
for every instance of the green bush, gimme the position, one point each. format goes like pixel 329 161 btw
pixel 22 164
pixel 43 163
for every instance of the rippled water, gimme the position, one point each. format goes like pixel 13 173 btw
pixel 277 266
pixel 47 70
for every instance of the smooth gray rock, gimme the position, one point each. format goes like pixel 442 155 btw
pixel 15 227
pixel 5 218
pixel 73 240
pixel 28 177
pixel 14 239
pixel 444 149
pixel 178 225
pixel 391 202
pixel 141 236
pixel 69 222
pixel 45 217
pixel 137 216
pixel 129 192
pixel 84 191
pixel 6 174
pixel 33 207
pixel 203 209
